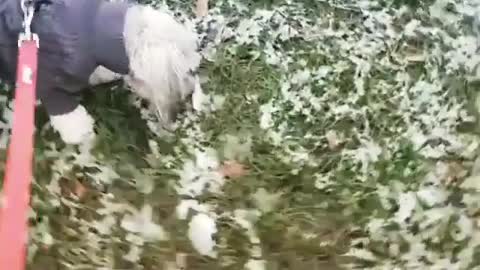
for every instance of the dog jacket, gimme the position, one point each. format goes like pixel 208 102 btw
pixel 76 36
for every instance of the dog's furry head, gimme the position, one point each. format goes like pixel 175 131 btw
pixel 163 59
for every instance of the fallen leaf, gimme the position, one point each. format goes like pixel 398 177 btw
pixel 168 265
pixel 233 169
pixel 79 189
pixel 455 173
pixel 141 224
pixel 266 201
pixel 413 55
pixel 415 58
pixel 202 8
pixel 181 259
pixel 65 187
pixel 334 139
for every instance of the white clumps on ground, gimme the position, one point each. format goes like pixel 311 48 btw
pixel 141 223
pixel 196 177
pixel 201 230
pixel 140 230
pixel 200 174
pixel 253 264
pixel 407 203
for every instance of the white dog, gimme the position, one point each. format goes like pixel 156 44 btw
pixel 89 42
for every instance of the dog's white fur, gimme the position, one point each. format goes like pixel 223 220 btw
pixel 74 127
pixel 162 54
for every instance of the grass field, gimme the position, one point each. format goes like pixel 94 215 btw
pixel 335 134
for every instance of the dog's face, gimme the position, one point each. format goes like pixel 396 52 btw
pixel 166 107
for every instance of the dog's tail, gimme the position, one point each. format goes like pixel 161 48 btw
pixel 163 58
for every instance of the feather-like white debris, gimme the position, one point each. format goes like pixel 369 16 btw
pixel 253 264
pixel 185 206
pixel 141 223
pixel 407 203
pixel 200 232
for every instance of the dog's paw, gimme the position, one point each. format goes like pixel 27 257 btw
pixel 75 127
pixel 103 75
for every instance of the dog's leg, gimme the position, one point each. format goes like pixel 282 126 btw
pixel 75 127
pixel 70 119
pixel 103 75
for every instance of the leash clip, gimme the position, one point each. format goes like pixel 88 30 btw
pixel 28 9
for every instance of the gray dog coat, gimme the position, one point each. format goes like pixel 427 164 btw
pixel 76 36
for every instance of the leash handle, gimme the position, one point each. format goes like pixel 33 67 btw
pixel 19 169
pixel 18 175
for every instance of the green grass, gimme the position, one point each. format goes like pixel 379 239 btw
pixel 122 136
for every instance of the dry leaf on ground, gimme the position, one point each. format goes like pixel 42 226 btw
pixel 233 169
pixel 455 173
pixel 79 189
pixel 202 8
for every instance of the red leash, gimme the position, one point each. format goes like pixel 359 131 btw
pixel 18 175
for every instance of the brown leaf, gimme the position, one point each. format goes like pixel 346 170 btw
pixel 233 169
pixel 65 187
pixel 79 190
pixel 202 8
pixel 455 173
pixel 181 259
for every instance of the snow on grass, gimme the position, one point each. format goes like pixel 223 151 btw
pixel 200 231
pixel 141 223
